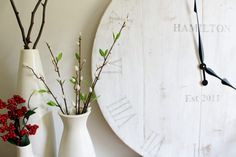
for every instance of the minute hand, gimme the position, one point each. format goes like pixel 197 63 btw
pixel 200 50
pixel 203 66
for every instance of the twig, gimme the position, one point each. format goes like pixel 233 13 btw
pixel 55 62
pixel 26 46
pixel 42 24
pixel 76 91
pixel 80 71
pixel 28 104
pixel 27 39
pixel 86 104
pixel 45 84
pixel 32 21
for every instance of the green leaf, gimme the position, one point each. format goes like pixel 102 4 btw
pixel 42 91
pixel 117 36
pixel 83 97
pixel 52 103
pixel 102 53
pixel 94 97
pixel 106 52
pixel 77 56
pixel 59 57
pixel 73 80
pixel 29 113
pixel 25 140
pixel 114 36
pixel 34 109
pixel 61 81
pixel 14 142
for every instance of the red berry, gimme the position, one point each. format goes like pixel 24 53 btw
pixel 4 138
pixel 2 104
pixel 11 101
pixel 3 119
pixel 32 129
pixel 18 99
pixel 11 127
pixel 23 132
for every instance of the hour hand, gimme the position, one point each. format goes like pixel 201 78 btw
pixel 203 68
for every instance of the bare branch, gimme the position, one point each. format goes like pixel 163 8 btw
pixel 26 46
pixel 42 24
pixel 32 21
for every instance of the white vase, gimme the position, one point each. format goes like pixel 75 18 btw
pixel 43 142
pixel 25 151
pixel 76 141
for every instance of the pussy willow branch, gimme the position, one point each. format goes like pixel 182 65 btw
pixel 76 91
pixel 80 71
pixel 57 70
pixel 86 104
pixel 46 85
pixel 32 21
pixel 42 24
pixel 26 46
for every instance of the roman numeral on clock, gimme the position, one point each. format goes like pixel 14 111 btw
pixel 114 67
pixel 121 111
pixel 152 144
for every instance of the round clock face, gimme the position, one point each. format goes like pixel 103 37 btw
pixel 151 93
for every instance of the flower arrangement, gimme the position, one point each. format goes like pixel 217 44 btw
pixel 82 100
pixel 27 38
pixel 14 117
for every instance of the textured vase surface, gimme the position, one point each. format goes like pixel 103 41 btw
pixel 43 142
pixel 76 141
pixel 25 151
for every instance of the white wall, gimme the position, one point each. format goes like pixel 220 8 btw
pixel 65 19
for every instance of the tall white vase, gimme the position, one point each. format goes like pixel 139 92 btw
pixel 76 141
pixel 25 151
pixel 43 142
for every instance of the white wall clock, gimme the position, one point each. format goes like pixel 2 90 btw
pixel 150 93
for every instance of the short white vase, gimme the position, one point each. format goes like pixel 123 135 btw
pixel 25 151
pixel 43 143
pixel 76 141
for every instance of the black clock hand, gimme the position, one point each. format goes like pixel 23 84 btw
pixel 224 81
pixel 200 50
pixel 203 66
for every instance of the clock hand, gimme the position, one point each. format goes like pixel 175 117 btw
pixel 201 50
pixel 224 81
pixel 203 66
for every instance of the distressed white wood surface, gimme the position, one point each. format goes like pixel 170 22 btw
pixel 150 94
